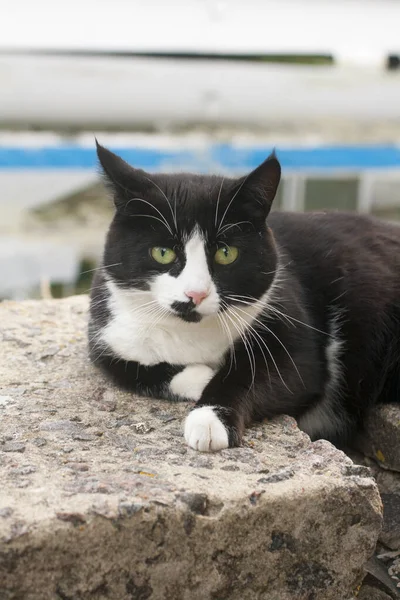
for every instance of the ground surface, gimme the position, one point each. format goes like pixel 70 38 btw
pixel 101 499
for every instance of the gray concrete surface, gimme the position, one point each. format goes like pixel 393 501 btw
pixel 101 499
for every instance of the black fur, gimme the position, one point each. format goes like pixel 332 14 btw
pixel 339 279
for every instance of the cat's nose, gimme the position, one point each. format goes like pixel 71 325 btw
pixel 196 297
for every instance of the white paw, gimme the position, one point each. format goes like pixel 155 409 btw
pixel 191 382
pixel 204 431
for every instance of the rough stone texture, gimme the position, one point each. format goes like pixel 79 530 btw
pixel 389 488
pixel 381 569
pixel 381 440
pixel 101 499
pixel 372 593
pixel 394 570
pixel 390 534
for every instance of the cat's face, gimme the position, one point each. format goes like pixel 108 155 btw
pixel 195 244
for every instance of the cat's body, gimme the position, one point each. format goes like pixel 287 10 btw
pixel 305 320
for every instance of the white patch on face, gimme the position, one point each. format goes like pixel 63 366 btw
pixel 195 277
pixel 204 431
pixel 140 330
pixel 191 382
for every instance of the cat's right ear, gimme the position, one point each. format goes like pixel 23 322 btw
pixel 258 189
pixel 124 181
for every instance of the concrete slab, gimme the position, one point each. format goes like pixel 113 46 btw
pixel 100 497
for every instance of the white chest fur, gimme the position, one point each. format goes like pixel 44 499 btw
pixel 139 331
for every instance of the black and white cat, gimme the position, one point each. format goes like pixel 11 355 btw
pixel 204 295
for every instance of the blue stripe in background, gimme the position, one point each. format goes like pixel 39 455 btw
pixel 223 156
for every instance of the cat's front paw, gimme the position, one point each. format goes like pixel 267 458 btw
pixel 191 381
pixel 204 431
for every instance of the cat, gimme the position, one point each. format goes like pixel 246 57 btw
pixel 205 295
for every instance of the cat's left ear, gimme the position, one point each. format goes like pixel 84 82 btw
pixel 124 181
pixel 261 184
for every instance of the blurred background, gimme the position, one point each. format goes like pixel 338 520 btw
pixel 198 85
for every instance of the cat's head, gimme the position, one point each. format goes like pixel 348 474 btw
pixel 193 242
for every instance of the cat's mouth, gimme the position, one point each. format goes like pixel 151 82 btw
pixel 186 312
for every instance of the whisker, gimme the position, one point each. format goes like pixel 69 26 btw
pixel 278 268
pixel 218 199
pixel 163 219
pixel 232 351
pixel 146 310
pixel 248 329
pixel 136 292
pixel 109 297
pixel 273 309
pixel 157 219
pixel 255 332
pixel 226 227
pixel 175 221
pixel 337 279
pixel 99 268
pixel 156 313
pixel 98 302
pixel 256 301
pixel 163 313
pixel 101 286
pixel 278 340
pixel 230 202
pixel 246 345
pixel 139 309
pixel 105 349
pixel 168 202
pixel 340 296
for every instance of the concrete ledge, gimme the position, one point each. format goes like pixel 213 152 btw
pixel 101 499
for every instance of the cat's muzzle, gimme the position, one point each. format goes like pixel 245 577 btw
pixel 186 311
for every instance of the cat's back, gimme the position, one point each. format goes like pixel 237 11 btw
pixel 345 261
pixel 334 224
pixel 337 236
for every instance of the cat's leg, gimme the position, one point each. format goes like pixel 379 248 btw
pixel 170 382
pixel 220 416
pixel 191 381
pixel 257 384
pixel 233 399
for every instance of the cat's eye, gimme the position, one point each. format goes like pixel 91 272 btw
pixel 226 255
pixel 164 256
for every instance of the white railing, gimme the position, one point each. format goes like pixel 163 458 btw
pixel 75 64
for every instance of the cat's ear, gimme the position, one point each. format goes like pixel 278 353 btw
pixel 261 184
pixel 124 181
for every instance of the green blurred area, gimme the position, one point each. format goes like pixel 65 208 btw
pixel 338 194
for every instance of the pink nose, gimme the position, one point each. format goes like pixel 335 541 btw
pixel 197 297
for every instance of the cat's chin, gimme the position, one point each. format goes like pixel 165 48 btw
pixel 186 312
pixel 193 317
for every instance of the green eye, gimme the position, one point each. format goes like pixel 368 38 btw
pixel 226 255
pixel 165 256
